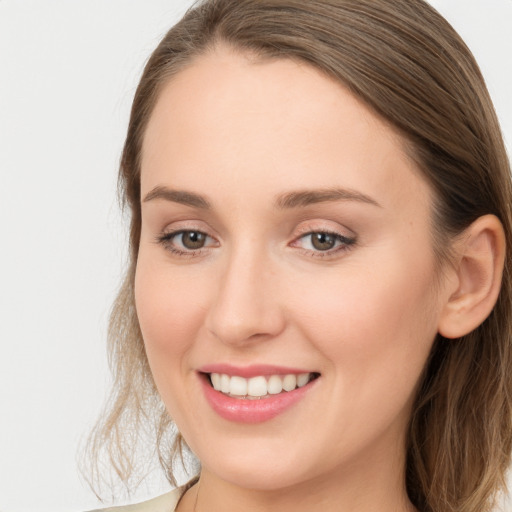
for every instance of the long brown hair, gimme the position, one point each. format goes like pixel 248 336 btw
pixel 407 63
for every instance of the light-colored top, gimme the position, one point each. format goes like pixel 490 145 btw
pixel 165 503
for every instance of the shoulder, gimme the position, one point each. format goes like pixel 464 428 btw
pixel 165 503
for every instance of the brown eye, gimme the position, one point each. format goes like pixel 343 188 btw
pixel 186 242
pixel 322 241
pixel 193 240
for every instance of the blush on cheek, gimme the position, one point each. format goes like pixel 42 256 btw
pixel 169 310
pixel 371 316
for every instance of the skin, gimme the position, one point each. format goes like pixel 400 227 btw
pixel 241 133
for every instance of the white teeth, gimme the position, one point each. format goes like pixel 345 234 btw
pixel 289 382
pixel 275 385
pixel 225 383
pixel 215 381
pixel 257 387
pixel 238 386
pixel 302 379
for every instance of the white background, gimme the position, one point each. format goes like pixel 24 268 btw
pixel 68 70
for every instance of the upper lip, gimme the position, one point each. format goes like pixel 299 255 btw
pixel 254 370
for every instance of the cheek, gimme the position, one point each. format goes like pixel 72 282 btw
pixel 170 308
pixel 372 322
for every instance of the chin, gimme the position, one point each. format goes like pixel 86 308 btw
pixel 259 479
pixel 262 468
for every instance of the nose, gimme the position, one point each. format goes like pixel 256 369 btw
pixel 246 306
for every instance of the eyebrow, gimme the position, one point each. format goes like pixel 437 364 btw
pixel 178 196
pixel 302 198
pixel 294 199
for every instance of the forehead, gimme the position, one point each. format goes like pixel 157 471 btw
pixel 228 116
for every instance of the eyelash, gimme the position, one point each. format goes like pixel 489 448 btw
pixel 345 243
pixel 166 240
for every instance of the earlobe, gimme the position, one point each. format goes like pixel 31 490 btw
pixel 480 256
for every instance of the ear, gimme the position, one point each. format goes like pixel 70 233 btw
pixel 478 268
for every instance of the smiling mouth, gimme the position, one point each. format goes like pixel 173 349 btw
pixel 259 387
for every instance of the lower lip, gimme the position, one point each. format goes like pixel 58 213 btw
pixel 252 411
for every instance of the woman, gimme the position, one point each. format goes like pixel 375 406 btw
pixel 319 291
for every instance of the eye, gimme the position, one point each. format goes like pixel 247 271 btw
pixel 192 239
pixel 324 242
pixel 185 242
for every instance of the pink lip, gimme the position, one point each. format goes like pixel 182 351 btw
pixel 252 411
pixel 251 371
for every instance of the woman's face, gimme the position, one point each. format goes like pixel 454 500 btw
pixel 284 232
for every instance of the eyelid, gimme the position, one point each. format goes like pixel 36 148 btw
pixel 323 226
pixel 345 236
pixel 344 239
pixel 187 225
pixel 342 245
pixel 166 239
